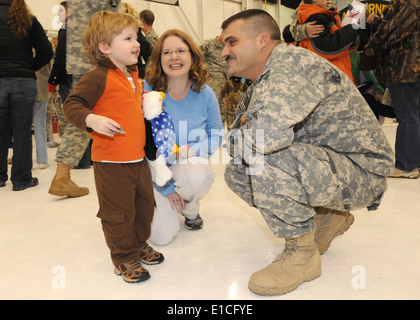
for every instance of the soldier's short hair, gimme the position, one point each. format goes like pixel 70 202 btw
pixel 258 21
pixel 148 17
pixel 104 26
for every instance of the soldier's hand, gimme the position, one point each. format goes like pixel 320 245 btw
pixel 373 19
pixel 243 120
pixel 313 30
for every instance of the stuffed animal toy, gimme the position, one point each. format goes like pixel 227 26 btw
pixel 160 136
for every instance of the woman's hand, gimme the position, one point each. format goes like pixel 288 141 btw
pixel 185 152
pixel 102 125
pixel 176 201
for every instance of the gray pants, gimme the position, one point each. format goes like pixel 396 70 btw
pixel 302 177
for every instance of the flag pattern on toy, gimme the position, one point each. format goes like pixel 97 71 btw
pixel 164 133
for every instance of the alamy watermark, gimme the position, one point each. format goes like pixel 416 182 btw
pixel 58 281
pixel 358 282
pixel 242 145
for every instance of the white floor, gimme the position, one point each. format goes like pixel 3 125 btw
pixel 53 248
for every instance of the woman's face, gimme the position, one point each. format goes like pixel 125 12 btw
pixel 175 58
pixel 62 14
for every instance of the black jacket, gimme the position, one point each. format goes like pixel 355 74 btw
pixel 145 52
pixel 16 55
pixel 58 73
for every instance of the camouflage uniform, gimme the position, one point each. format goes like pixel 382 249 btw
pixel 230 93
pixel 217 66
pixel 75 141
pixel 397 43
pixel 297 30
pixel 321 144
pixel 55 109
pixel 152 37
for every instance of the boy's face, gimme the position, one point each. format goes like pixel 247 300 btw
pixel 124 49
pixel 321 3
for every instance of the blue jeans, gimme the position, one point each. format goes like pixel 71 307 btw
pixel 405 99
pixel 40 131
pixel 17 97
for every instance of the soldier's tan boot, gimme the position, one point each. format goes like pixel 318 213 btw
pixel 329 224
pixel 62 185
pixel 299 262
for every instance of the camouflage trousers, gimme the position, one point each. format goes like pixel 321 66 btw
pixel 230 113
pixel 55 109
pixel 299 178
pixel 217 85
pixel 73 141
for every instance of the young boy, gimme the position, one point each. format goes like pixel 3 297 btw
pixel 333 43
pixel 107 104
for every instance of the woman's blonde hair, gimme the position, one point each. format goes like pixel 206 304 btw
pixel 20 19
pixel 104 26
pixel 155 75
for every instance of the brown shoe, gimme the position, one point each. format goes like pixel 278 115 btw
pixel 149 256
pixel 132 271
pixel 62 185
pixel 397 173
pixel 330 224
pixel 299 262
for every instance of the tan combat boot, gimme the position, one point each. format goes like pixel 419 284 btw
pixel 299 262
pixel 62 185
pixel 329 224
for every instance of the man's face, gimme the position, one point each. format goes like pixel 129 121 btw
pixel 240 52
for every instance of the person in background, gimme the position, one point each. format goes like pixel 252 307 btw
pixel 59 76
pixel 20 33
pixel 334 42
pixel 369 87
pixel 145 47
pixel 397 46
pixel 230 92
pixel 176 68
pixel 217 66
pixel 147 17
pixel 40 116
pixel 54 109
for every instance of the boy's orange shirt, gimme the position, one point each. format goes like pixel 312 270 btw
pixel 340 58
pixel 106 91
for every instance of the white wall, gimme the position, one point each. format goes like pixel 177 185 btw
pixel 199 18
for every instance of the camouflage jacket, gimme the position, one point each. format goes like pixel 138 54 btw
pixel 216 64
pixel 301 97
pixel 297 30
pixel 152 37
pixel 79 13
pixel 397 43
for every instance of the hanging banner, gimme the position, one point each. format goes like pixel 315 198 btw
pixel 373 6
pixel 171 2
pixel 293 4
